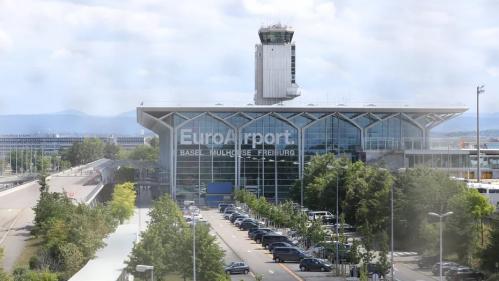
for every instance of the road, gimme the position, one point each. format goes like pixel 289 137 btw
pixel 239 247
pixel 259 259
pixel 16 214
pixel 407 270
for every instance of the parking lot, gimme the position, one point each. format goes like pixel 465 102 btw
pixel 240 247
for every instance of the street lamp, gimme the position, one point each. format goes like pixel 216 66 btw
pixel 479 90
pixel 193 248
pixel 337 213
pixel 440 218
pixel 258 178
pixel 300 173
pixel 144 268
pixel 275 179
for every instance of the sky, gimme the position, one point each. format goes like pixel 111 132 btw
pixel 105 57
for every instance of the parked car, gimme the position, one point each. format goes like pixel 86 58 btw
pixel 253 231
pixel 427 261
pixel 237 267
pixel 238 221
pixel 271 238
pixel 446 266
pixel 223 206
pixel 245 225
pixel 228 213
pixel 284 254
pixel 233 218
pixel 259 234
pixel 327 219
pixel 464 274
pixel 315 264
pixel 315 215
pixel 279 244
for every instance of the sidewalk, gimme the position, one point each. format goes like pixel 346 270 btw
pixel 109 262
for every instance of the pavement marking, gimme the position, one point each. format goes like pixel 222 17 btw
pixel 252 274
pixel 10 226
pixel 9 210
pixel 271 272
pixel 249 251
pixel 291 272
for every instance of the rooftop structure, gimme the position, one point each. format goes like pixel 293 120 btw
pixel 275 66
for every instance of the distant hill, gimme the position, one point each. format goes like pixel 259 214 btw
pixel 71 122
pixel 79 123
pixel 467 123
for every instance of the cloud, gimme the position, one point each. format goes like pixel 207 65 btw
pixel 105 56
pixel 5 41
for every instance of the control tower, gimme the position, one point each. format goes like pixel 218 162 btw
pixel 275 66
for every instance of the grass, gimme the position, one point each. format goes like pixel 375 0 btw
pixel 31 248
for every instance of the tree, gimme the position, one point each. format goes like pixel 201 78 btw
pixel 82 153
pixel 51 206
pixel 71 259
pixel 145 153
pixel 24 274
pixel 123 202
pixel 480 208
pixel 490 254
pixel 111 151
pixel 42 181
pixel 417 192
pixel 167 245
pixel 464 226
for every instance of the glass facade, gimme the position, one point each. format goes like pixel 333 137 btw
pixel 265 151
pixel 394 133
pixel 332 134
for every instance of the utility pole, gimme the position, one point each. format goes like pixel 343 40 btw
pixel 440 217
pixel 391 234
pixel 194 248
pixel 479 90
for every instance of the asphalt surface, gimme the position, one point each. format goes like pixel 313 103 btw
pixel 16 214
pixel 259 259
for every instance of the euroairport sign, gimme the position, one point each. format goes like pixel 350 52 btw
pixel 188 137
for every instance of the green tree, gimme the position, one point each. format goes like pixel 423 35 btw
pixel 490 254
pixel 89 150
pixel 124 174
pixel 51 206
pixel 111 151
pixel 42 181
pixel 417 192
pixel 71 258
pixel 480 208
pixel 167 245
pixel 24 274
pixel 144 152
pixel 123 202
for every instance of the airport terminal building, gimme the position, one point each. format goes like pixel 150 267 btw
pixel 264 146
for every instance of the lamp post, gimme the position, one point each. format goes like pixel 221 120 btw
pixel 391 232
pixel 300 173
pixel 194 248
pixel 440 218
pixel 337 216
pixel 144 268
pixel 479 90
pixel 275 178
